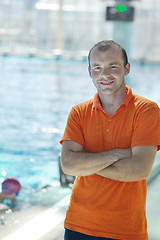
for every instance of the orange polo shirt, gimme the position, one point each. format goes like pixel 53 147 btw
pixel 100 206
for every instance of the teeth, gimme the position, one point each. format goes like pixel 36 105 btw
pixel 106 83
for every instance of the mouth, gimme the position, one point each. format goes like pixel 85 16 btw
pixel 106 82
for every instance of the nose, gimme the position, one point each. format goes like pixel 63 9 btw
pixel 105 72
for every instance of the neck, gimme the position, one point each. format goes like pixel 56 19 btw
pixel 111 103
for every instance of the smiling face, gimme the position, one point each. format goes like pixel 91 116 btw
pixel 107 70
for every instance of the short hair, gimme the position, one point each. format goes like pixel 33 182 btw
pixel 106 45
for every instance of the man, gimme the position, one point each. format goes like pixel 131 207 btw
pixel 109 144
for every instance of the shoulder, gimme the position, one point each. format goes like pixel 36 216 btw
pixel 141 103
pixel 140 107
pixel 79 111
pixel 145 111
pixel 84 106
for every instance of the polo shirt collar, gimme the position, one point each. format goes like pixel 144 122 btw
pixel 128 97
pixel 96 101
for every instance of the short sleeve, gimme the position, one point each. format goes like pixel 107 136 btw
pixel 147 127
pixel 73 130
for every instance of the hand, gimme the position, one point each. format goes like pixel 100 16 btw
pixel 122 153
pixel 7 196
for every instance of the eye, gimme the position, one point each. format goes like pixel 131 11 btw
pixel 113 66
pixel 97 68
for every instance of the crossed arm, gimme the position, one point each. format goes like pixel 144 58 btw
pixel 118 164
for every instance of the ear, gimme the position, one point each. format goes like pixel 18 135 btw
pixel 89 70
pixel 127 69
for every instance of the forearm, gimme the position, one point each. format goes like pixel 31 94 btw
pixel 78 163
pixel 84 163
pixel 120 171
pixel 135 168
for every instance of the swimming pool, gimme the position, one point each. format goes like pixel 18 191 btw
pixel 36 96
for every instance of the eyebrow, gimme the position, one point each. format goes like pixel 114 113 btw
pixel 114 63
pixel 98 64
pixel 95 64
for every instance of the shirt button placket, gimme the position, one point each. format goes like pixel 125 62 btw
pixel 109 120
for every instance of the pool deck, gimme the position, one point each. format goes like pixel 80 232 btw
pixel 46 222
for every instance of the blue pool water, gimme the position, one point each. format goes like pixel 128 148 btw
pixel 35 98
